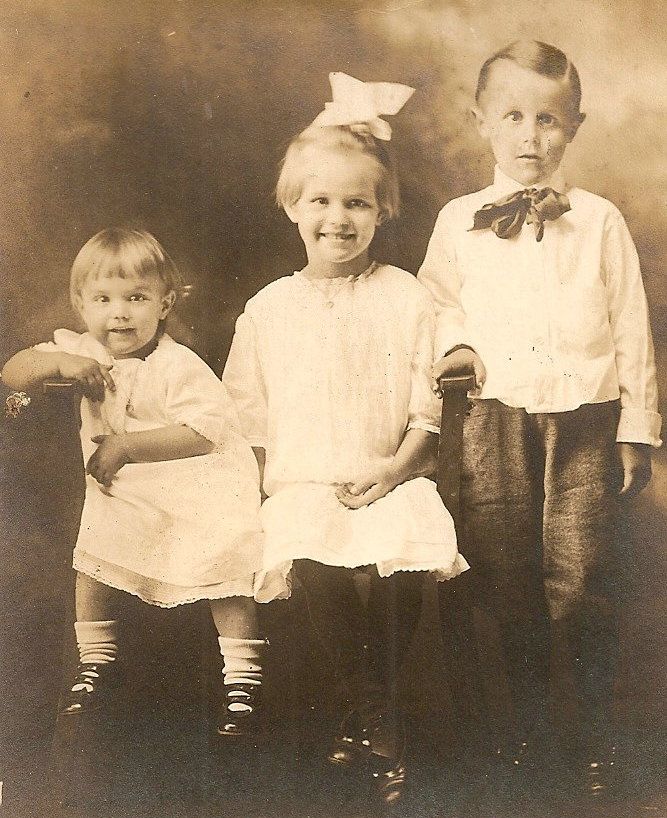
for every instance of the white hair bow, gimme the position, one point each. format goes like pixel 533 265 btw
pixel 361 103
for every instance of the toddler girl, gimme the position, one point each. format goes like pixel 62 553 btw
pixel 172 498
pixel 329 369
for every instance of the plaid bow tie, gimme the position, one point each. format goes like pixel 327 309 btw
pixel 507 215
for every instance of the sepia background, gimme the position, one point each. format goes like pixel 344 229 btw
pixel 173 115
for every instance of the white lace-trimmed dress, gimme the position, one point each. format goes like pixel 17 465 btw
pixel 173 531
pixel 327 377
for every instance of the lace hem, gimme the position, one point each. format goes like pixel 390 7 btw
pixel 157 593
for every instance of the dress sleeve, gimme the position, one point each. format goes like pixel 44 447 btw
pixel 440 275
pixel 424 407
pixel 64 340
pixel 196 398
pixel 74 343
pixel 245 383
pixel 628 315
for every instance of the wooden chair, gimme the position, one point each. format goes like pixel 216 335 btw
pixel 68 752
pixel 454 408
pixel 457 597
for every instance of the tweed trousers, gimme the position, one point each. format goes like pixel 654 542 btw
pixel 541 513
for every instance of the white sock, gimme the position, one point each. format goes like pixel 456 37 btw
pixel 243 663
pixel 97 641
pixel 98 644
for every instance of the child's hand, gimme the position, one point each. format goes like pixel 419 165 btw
pixel 91 375
pixel 110 456
pixel 636 462
pixel 367 490
pixel 461 361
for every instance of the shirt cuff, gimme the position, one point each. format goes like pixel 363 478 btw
pixel 212 430
pixel 447 340
pixel 424 426
pixel 639 426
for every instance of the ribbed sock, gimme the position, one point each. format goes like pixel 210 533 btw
pixel 243 660
pixel 97 643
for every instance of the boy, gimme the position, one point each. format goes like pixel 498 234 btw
pixel 539 293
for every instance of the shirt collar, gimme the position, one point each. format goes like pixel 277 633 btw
pixel 372 267
pixel 99 353
pixel 504 185
pixel 96 350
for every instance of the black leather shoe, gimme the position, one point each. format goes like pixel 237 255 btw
pixel 385 759
pixel 241 710
pixel 98 684
pixel 598 776
pixel 376 747
pixel 517 755
pixel 351 744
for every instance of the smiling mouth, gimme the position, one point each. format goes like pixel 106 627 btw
pixel 122 330
pixel 337 236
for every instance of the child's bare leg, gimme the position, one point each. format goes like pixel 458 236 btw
pixel 235 619
pixel 94 600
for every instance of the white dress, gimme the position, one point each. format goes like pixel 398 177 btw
pixel 172 531
pixel 327 381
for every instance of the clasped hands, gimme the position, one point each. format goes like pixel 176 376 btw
pixel 368 489
pixel 111 454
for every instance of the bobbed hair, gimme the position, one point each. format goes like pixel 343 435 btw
pixel 540 57
pixel 124 253
pixel 346 139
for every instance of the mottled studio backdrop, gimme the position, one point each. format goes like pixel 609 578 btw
pixel 173 114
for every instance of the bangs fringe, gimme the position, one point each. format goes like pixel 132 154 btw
pixel 123 253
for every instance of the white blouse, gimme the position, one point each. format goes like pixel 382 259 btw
pixel 327 377
pixel 558 323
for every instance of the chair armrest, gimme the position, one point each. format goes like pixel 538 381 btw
pixel 59 387
pixel 64 399
pixel 450 446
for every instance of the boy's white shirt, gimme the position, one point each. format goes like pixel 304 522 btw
pixel 558 323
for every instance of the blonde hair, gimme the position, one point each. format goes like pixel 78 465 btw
pixel 123 252
pixel 539 57
pixel 345 139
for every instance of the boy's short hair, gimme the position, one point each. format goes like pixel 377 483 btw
pixel 344 138
pixel 123 252
pixel 537 56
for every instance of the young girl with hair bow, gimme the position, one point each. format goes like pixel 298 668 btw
pixel 330 372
